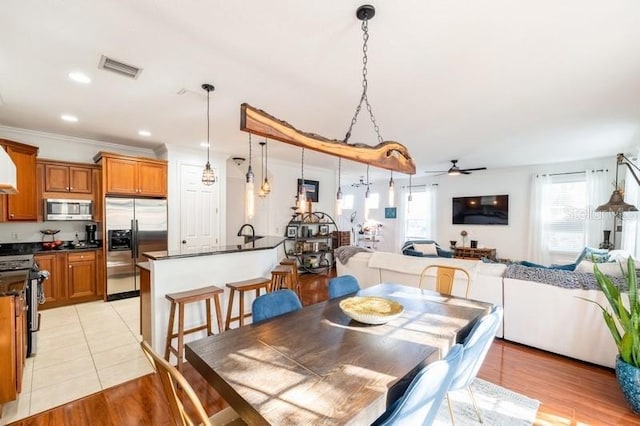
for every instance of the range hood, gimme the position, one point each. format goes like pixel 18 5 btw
pixel 8 181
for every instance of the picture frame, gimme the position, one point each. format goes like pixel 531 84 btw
pixel 323 230
pixel 311 188
pixel 292 231
pixel 390 212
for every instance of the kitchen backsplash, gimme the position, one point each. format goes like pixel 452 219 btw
pixel 16 232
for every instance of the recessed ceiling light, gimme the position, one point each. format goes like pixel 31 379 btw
pixel 204 144
pixel 144 133
pixel 79 77
pixel 69 118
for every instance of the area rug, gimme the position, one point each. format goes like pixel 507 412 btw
pixel 499 406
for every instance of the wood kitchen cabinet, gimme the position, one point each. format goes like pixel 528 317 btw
pixel 76 276
pixel 12 346
pixel 55 287
pixel 81 278
pixel 22 206
pixel 134 176
pixel 63 178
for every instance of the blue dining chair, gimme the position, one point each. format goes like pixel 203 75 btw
pixel 420 403
pixel 273 304
pixel 475 349
pixel 343 285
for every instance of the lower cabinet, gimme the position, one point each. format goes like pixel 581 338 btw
pixel 12 346
pixel 73 277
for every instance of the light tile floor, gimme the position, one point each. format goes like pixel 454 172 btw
pixel 82 349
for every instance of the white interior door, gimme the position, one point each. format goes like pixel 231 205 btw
pixel 199 210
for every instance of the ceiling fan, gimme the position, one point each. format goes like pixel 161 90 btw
pixel 455 170
pixel 360 183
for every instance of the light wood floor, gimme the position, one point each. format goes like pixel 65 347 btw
pixel 570 392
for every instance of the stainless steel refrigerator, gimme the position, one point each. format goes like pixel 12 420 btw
pixel 133 226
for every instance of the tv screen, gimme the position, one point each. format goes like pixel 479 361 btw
pixel 481 210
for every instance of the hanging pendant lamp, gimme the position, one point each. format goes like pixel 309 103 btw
pixel 208 175
pixel 339 193
pixel 249 195
pixel 367 192
pixel 302 197
pixel 261 192
pixel 392 195
pixel 266 187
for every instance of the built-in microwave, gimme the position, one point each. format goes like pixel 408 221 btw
pixel 60 209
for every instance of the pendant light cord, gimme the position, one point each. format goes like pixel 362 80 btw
pixel 208 143
pixel 365 86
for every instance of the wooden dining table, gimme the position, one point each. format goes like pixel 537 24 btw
pixel 318 366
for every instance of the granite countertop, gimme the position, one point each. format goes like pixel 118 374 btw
pixel 264 243
pixel 13 283
pixel 11 249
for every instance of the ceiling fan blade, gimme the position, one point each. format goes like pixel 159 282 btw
pixel 436 171
pixel 473 170
pixel 465 172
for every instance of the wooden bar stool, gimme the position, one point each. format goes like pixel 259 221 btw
pixel 294 277
pixel 180 299
pixel 241 287
pixel 281 278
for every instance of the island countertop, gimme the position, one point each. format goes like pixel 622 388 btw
pixel 263 243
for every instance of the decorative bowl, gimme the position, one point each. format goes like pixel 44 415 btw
pixel 371 309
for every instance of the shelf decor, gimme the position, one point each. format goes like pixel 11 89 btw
pixel 310 241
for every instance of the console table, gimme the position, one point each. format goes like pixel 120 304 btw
pixel 474 253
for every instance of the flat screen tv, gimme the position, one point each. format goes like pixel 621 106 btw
pixel 481 210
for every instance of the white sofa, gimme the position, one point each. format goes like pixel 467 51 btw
pixel 535 314
pixel 378 267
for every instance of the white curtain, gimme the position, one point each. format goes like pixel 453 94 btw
pixel 597 186
pixel 538 219
pixel 630 229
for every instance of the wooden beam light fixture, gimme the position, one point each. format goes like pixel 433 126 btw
pixel 388 155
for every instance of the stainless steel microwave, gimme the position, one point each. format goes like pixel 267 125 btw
pixel 60 209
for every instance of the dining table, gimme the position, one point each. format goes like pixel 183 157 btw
pixel 319 366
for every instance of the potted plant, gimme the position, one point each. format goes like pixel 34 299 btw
pixel 624 324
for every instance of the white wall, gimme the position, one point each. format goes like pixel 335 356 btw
pixel 510 241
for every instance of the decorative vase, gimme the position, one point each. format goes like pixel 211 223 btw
pixel 629 382
pixel 606 244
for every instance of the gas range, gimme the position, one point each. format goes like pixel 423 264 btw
pixel 16 262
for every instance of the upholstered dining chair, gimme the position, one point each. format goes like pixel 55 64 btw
pixel 475 349
pixel 172 380
pixel 273 304
pixel 444 278
pixel 420 403
pixel 343 285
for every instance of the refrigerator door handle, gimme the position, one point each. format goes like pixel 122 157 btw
pixel 136 241
pixel 133 239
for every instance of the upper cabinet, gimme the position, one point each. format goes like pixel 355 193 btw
pixel 22 206
pixel 124 175
pixel 64 178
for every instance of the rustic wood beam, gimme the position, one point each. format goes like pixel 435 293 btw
pixel 388 155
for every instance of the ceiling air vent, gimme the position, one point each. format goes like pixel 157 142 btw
pixel 119 67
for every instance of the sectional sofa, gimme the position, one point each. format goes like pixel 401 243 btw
pixel 538 311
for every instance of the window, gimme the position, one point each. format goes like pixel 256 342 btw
pixel 418 223
pixel 566 217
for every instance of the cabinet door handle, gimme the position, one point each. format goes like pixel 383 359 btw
pixel 69 266
pixel 11 215
pixel 67 188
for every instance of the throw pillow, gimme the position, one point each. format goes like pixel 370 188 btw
pixel 611 269
pixel 426 249
pixel 593 254
pixel 619 256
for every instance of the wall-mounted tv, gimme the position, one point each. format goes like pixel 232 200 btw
pixel 481 210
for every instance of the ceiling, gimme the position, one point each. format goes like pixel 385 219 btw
pixel 496 83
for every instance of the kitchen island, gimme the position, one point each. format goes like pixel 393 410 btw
pixel 175 270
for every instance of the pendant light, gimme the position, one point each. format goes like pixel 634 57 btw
pixel 367 192
pixel 302 198
pixel 249 195
pixel 339 193
pixel 391 191
pixel 266 187
pixel 261 193
pixel 208 175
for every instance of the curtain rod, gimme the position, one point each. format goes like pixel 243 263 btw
pixel 572 173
